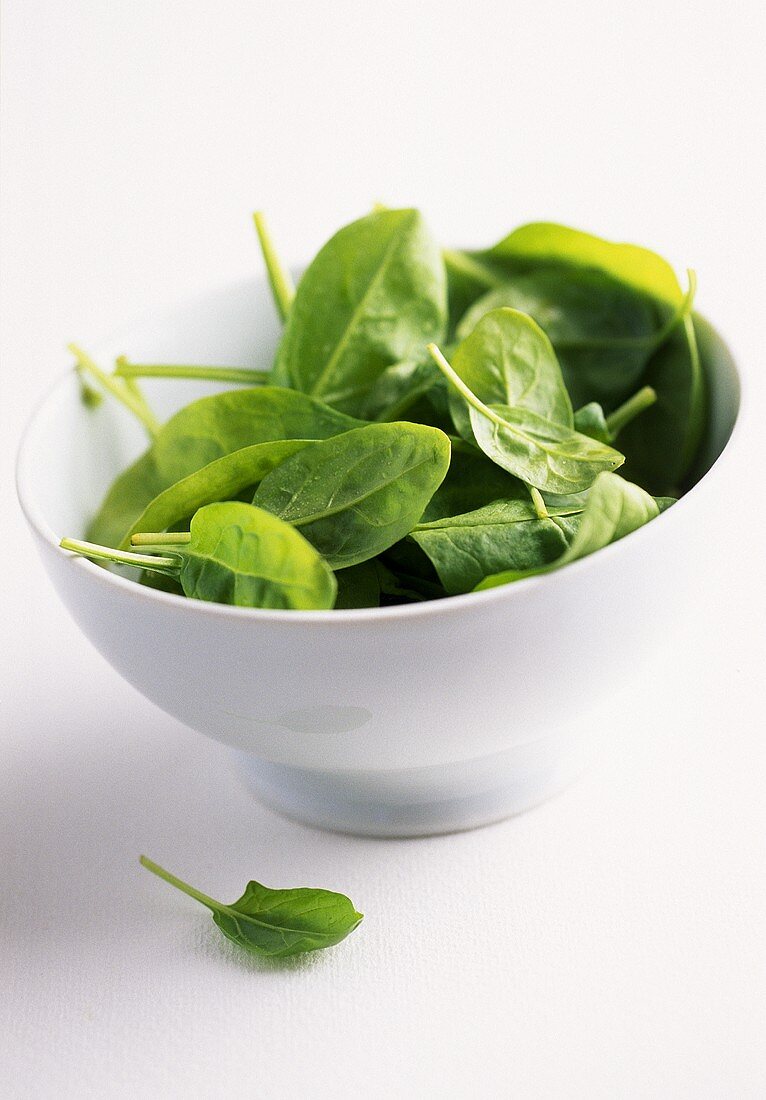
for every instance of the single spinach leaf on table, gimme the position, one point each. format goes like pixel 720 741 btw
pixel 507 359
pixel 507 534
pixel 374 295
pixel 357 494
pixel 660 446
pixel 233 554
pixel 614 508
pixel 550 457
pixel 201 433
pixel 276 923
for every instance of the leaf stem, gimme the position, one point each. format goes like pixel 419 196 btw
pixel 455 380
pixel 179 884
pixel 160 538
pixel 537 501
pixel 119 557
pixel 133 387
pixel 282 286
pixel 85 365
pixel 241 375
pixel 636 404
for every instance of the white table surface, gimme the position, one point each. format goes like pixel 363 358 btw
pixel 607 944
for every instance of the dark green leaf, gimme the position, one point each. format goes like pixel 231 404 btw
pixel 357 494
pixel 614 508
pixel 505 535
pixel 374 295
pixel 660 445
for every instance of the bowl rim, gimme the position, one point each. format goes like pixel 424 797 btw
pixel 445 607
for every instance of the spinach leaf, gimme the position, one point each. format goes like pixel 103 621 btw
pixel 613 509
pixel 546 244
pixel 199 434
pixel 545 455
pixel 358 586
pixel 396 390
pixel 660 446
pixel 357 494
pixel 220 480
pixel 373 296
pixel 590 420
pixel 407 575
pixel 472 481
pixel 505 535
pixel 275 923
pixel 603 332
pixel 507 359
pixel 233 554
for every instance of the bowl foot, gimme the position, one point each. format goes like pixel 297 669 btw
pixel 417 801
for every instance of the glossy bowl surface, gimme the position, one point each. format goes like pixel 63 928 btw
pixel 390 722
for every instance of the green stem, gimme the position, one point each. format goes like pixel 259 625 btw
pixel 636 404
pixel 115 386
pixel 161 538
pixel 240 375
pixel 537 500
pixel 461 387
pixel 460 263
pixel 119 557
pixel 90 396
pixel 282 286
pixel 179 884
pixel 133 388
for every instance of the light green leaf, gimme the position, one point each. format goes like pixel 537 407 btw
pixel 508 360
pixel 276 923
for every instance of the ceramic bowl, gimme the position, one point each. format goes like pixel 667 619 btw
pixel 389 722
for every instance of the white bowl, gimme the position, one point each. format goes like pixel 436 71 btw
pixel 389 722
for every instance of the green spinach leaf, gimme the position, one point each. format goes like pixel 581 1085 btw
pixel 203 432
pixel 505 535
pixel 507 359
pixel 235 554
pixel 275 923
pixel 357 494
pixel 660 446
pixel 614 508
pixel 374 295
pixel 545 455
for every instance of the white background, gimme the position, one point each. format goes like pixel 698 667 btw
pixel 609 943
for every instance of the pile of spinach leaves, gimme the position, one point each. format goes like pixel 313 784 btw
pixel 435 422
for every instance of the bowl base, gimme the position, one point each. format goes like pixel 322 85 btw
pixel 418 801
